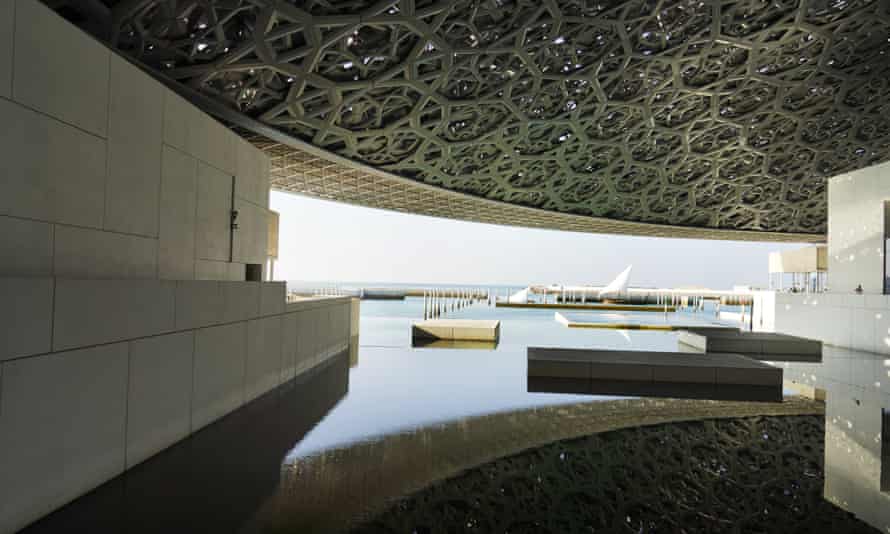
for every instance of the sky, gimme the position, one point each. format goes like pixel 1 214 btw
pixel 328 241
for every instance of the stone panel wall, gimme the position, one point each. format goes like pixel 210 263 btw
pixel 107 173
pixel 98 375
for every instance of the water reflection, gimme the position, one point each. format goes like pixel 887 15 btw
pixel 739 475
pixel 453 344
pixel 673 390
pixel 854 385
pixel 386 419
pixel 217 479
pixel 398 387
pixel 336 488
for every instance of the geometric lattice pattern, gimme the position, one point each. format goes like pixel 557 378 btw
pixel 720 114
pixel 301 172
pixel 762 474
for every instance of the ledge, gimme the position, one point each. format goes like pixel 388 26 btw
pixel 457 330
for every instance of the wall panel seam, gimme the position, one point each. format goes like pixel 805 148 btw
pixel 227 173
pixel 192 392
pixel 175 285
pixel 160 190
pixel 52 318
pixel 105 198
pixel 52 259
pixel 244 350
pixel 2 374
pixel 127 405
pixel 12 51
pixel 79 226
pixel 52 117
pixel 252 203
pixel 160 334
pixel 195 226
pixel 165 144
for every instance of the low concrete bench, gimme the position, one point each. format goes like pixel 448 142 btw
pixel 429 343
pixel 456 330
pixel 757 345
pixel 671 390
pixel 629 372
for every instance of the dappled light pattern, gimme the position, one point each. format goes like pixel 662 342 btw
pixel 758 474
pixel 721 115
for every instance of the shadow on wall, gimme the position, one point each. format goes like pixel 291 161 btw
pixel 860 264
pixel 857 226
pixel 216 480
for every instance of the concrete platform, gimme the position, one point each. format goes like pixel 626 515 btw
pixel 656 369
pixel 668 390
pixel 666 327
pixel 756 345
pixel 601 307
pixel 456 330
pixel 429 343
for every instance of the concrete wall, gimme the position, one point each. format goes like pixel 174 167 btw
pixel 856 229
pixel 855 256
pixel 800 260
pixel 855 384
pixel 860 322
pixel 108 174
pixel 763 312
pixel 124 326
pixel 98 375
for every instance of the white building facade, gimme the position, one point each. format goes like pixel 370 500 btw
pixel 843 316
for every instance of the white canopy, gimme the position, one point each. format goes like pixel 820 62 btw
pixel 520 297
pixel 617 288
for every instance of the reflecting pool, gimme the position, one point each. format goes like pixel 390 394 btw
pixel 369 440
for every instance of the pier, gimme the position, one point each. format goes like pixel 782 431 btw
pixel 457 330
pixel 562 319
pixel 600 307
